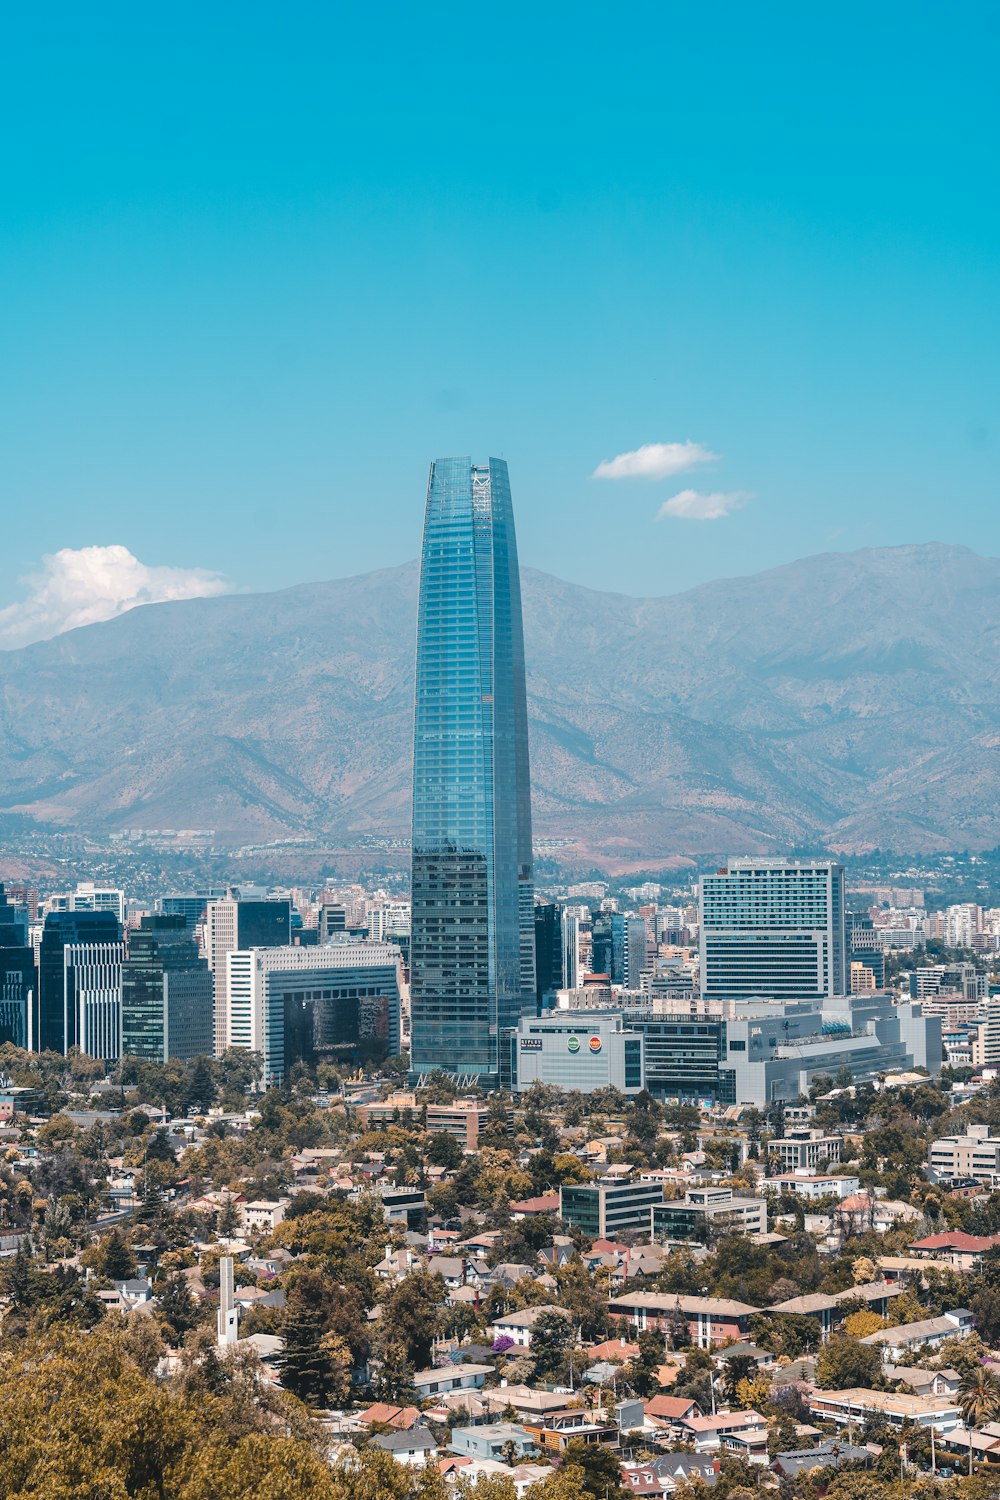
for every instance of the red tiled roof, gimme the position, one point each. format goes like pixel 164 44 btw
pixel 402 1417
pixel 956 1239
pixel 670 1407
pixel 547 1203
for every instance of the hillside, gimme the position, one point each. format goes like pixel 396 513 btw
pixel 847 697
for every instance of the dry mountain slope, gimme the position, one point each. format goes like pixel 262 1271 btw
pixel 851 697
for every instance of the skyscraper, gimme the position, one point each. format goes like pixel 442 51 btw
pixel 472 967
pixel 232 923
pixel 17 975
pixel 774 927
pixel 166 993
pixel 55 1022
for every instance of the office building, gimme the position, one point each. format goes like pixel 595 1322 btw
pixel 707 1213
pixel 472 947
pixel 803 1149
pixel 54 1028
pixel 89 897
pixel 865 947
pixel 757 1051
pixel 166 993
pixel 578 1050
pixel 573 967
pixel 92 991
pixel 548 954
pixel 976 1154
pixel 338 1002
pixel 17 975
pixel 604 1209
pixel 774 928
pixel 191 905
pixel 232 923
pixel 634 957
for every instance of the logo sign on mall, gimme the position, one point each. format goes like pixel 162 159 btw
pixel 595 1044
pixel 573 1044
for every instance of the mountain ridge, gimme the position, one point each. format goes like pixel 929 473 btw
pixel 849 698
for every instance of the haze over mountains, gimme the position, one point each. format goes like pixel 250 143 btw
pixel 851 698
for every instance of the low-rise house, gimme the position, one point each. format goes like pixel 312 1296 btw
pixel 410 1448
pixel 963 1251
pixel 857 1405
pixel 710 1320
pixel 813 1185
pixel 262 1216
pixel 826 1307
pixel 493 1440
pixel 445 1378
pixel 829 1455
pixel 931 1331
pixel 670 1413
pixel 706 1433
pixel 529 1208
pixel 384 1414
pixel 517 1326
pixel 924 1382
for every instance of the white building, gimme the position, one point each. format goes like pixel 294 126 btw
pixel 89 897
pixel 345 985
pixel 92 998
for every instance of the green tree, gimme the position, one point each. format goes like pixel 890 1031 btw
pixel 410 1315
pixel 845 1362
pixel 552 1336
pixel 115 1259
pixel 599 1466
pixel 307 1369
pixel 979 1400
pixel 177 1307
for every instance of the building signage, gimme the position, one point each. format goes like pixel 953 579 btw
pixel 595 1044
pixel 573 1044
pixel 531 1044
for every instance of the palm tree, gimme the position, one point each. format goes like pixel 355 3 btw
pixel 979 1400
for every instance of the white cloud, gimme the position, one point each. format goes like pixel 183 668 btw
pixel 83 585
pixel 654 461
pixel 693 505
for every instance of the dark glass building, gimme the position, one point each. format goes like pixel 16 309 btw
pixel 472 960
pixel 166 993
pixel 548 953
pixel 17 975
pixel 56 1016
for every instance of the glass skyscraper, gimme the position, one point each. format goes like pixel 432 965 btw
pixel 472 963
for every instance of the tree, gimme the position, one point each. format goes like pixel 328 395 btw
pixel 115 1259
pixel 307 1369
pixel 551 1336
pixel 202 1088
pixel 845 1362
pixel 979 1400
pixel 444 1151
pixel 177 1307
pixel 599 1466
pixel 410 1315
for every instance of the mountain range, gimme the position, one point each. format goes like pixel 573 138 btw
pixel 850 700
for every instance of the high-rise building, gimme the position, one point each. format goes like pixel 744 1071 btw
pixel 93 998
pixel 774 927
pixel 337 1002
pixel 17 975
pixel 89 897
pixel 548 953
pixel 55 1021
pixel 166 993
pixel 233 923
pixel 472 928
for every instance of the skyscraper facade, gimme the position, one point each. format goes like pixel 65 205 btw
pixel 232 923
pixel 472 928
pixel 55 1022
pixel 166 993
pixel 17 975
pixel 774 928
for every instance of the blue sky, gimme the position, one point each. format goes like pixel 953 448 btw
pixel 259 264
